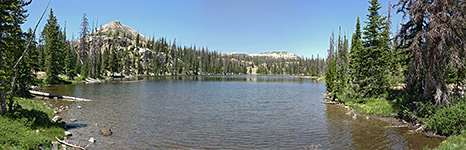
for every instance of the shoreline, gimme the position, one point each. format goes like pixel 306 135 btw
pixel 394 121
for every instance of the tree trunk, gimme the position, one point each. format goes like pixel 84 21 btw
pixel 2 90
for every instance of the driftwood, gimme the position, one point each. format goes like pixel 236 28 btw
pixel 71 98
pixel 70 145
pixel 331 102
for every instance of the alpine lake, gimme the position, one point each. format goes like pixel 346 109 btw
pixel 222 112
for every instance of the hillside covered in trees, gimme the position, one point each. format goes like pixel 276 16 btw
pixel 117 50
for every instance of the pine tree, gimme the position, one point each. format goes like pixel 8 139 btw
pixel 330 77
pixel 53 46
pixel 330 71
pixel 376 54
pixel 83 45
pixel 26 67
pixel 106 61
pixel 70 62
pixel 114 61
pixel 356 59
pixel 12 42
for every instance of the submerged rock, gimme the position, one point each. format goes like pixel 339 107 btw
pixel 106 131
pixel 91 140
pixel 56 119
pixel 67 133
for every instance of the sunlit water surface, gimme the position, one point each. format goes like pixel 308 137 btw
pixel 222 112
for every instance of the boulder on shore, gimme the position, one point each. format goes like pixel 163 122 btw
pixel 106 131
pixel 56 119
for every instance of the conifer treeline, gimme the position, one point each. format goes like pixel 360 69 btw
pixel 425 59
pixel 117 53
pixel 365 71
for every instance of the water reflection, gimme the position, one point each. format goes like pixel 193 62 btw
pixel 222 112
pixel 245 78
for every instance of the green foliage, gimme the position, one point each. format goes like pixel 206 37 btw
pixel 373 106
pixel 448 120
pixel 70 62
pixel 12 43
pixel 18 129
pixel 377 55
pixel 330 77
pixel 85 68
pixel 453 142
pixel 53 49
pixel 364 75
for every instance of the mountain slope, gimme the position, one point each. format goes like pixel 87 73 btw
pixel 116 28
pixel 114 48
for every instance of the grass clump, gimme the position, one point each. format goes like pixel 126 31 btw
pixel 29 127
pixel 373 106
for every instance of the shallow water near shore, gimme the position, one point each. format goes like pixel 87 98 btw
pixel 222 112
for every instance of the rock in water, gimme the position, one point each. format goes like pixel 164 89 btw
pixel 91 140
pixel 106 131
pixel 56 119
pixel 79 107
pixel 73 120
pixel 67 133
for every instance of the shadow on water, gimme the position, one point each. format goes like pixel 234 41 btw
pixel 70 126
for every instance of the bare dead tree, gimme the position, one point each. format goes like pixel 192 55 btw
pixel 434 42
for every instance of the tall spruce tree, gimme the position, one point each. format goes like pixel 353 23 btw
pixel 356 59
pixel 53 45
pixel 330 72
pixel 376 55
pixel 83 44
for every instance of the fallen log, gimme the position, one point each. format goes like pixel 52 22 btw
pixel 71 98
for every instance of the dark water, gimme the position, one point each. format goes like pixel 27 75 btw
pixel 223 112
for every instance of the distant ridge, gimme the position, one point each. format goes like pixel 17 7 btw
pixel 274 54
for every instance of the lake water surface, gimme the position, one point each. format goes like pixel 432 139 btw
pixel 223 112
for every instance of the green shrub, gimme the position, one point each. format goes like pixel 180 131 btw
pixel 453 142
pixel 448 120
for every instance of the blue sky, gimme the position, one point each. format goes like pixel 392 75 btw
pixel 302 27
